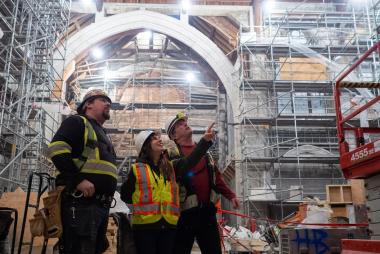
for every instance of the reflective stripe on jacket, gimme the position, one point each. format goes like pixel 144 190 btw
pixel 154 198
pixel 89 161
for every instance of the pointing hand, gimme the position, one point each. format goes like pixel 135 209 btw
pixel 209 135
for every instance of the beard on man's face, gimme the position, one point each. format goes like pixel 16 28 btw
pixel 106 114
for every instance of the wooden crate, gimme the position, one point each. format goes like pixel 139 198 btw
pixel 339 194
pixel 339 211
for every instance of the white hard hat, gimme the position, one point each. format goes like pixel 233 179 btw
pixel 141 138
pixel 169 126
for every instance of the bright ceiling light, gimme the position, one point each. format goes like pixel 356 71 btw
pixel 358 3
pixel 269 5
pixel 186 5
pixel 148 35
pixel 86 2
pixel 190 76
pixel 97 53
pixel 107 74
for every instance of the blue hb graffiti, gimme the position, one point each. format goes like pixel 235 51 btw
pixel 315 240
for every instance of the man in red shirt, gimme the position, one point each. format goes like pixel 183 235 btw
pixel 200 190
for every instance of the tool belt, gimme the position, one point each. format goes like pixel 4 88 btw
pixel 191 201
pixel 104 200
pixel 47 221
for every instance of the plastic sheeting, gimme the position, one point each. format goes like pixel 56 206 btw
pixel 120 206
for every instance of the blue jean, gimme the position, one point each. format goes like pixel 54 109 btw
pixel 84 226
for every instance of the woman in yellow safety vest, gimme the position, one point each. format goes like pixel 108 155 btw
pixel 152 192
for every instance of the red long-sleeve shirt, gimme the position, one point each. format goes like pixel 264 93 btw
pixel 200 179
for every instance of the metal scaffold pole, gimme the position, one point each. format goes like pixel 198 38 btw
pixel 288 64
pixel 34 35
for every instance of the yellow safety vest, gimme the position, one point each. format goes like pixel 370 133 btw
pixel 154 198
pixel 89 161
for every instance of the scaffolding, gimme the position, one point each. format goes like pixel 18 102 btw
pixel 147 80
pixel 288 127
pixel 33 40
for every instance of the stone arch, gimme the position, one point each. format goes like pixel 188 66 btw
pixel 142 19
pixel 308 151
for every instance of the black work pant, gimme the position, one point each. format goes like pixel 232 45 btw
pixel 198 223
pixel 154 241
pixel 84 225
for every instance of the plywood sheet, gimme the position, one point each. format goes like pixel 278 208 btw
pixel 358 191
pixel 301 69
pixel 339 194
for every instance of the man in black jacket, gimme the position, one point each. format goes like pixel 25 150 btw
pixel 86 161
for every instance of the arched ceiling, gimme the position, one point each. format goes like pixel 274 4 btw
pixel 125 26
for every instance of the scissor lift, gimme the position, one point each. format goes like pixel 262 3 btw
pixel 364 160
pixel 360 157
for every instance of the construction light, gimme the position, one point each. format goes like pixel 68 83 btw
pixel 190 77
pixel 358 3
pixel 86 2
pixel 108 74
pixel 269 5
pixel 97 53
pixel 147 35
pixel 186 5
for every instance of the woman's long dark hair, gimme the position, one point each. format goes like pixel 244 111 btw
pixel 146 153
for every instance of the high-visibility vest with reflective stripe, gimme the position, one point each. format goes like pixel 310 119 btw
pixel 154 198
pixel 89 161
